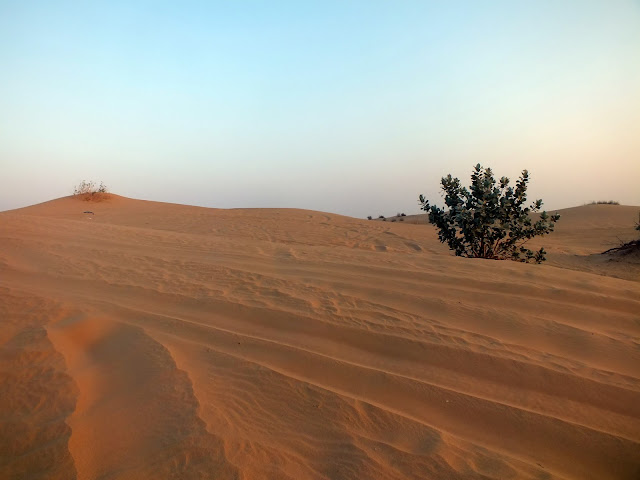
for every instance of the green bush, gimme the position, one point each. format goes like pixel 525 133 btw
pixel 489 220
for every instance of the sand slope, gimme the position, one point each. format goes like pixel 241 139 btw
pixel 151 340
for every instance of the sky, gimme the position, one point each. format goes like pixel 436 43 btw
pixel 351 107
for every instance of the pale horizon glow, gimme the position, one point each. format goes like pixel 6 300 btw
pixel 347 107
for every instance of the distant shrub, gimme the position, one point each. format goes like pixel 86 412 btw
pixel 489 220
pixel 369 217
pixel 402 215
pixel 87 190
pixel 605 202
pixel 381 216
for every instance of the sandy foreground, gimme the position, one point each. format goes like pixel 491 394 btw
pixel 153 340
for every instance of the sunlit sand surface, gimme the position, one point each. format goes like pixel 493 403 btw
pixel 152 340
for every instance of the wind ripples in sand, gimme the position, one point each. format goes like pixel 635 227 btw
pixel 179 342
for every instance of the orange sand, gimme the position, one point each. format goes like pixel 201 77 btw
pixel 153 340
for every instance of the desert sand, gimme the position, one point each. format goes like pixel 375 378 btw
pixel 154 340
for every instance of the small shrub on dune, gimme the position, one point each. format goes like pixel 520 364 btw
pixel 369 217
pixel 489 220
pixel 88 191
pixel 604 202
pixel 627 247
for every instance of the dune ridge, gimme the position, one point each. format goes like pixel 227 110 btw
pixel 188 342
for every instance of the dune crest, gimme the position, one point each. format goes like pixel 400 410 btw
pixel 154 340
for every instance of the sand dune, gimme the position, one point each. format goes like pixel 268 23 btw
pixel 152 340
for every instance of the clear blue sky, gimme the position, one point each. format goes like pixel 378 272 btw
pixel 352 107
